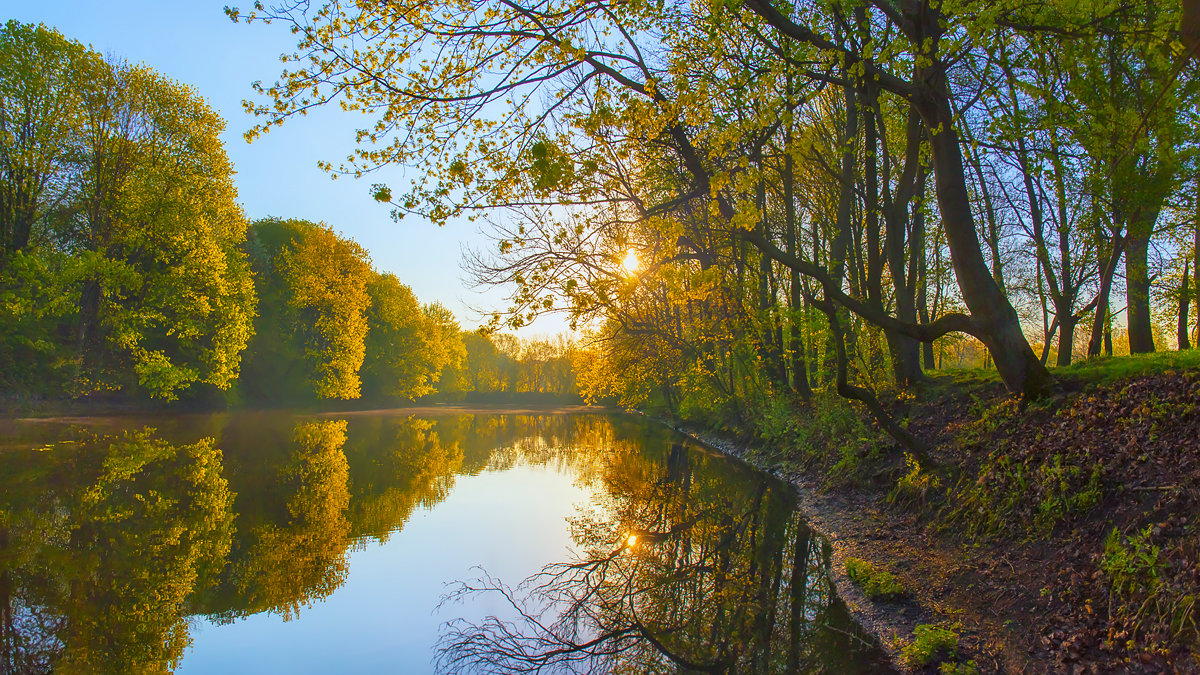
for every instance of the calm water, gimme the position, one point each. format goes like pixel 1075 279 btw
pixel 275 542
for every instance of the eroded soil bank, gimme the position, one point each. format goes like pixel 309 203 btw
pixel 1059 537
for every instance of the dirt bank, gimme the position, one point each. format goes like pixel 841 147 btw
pixel 1056 538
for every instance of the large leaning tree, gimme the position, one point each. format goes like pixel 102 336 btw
pixel 500 104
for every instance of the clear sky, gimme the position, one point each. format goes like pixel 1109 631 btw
pixel 192 41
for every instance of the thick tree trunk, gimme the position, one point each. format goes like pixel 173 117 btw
pixel 1185 298
pixel 1000 327
pixel 1137 285
pixel 1066 336
pixel 905 351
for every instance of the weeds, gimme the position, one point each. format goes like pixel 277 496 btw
pixel 876 584
pixel 929 644
pixel 1026 497
pixel 914 487
pixel 1140 592
pixel 958 668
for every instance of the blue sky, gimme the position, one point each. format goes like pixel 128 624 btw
pixel 195 43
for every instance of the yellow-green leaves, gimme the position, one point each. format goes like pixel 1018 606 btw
pixel 116 177
pixel 310 336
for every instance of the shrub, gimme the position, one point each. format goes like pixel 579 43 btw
pixel 914 487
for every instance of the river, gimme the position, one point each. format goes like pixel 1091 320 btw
pixel 385 542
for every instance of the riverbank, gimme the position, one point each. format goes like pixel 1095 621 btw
pixel 1056 537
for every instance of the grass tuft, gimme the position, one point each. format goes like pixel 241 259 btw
pixel 876 584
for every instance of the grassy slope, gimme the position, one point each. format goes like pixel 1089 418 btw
pixel 1091 497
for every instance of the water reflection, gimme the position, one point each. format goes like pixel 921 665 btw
pixel 681 568
pixel 113 543
pixel 298 556
pixel 104 540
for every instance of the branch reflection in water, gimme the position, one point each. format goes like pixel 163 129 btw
pixel 677 571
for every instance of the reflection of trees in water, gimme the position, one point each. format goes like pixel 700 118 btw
pixel 103 542
pixel 398 465
pixel 681 567
pixel 108 543
pixel 291 564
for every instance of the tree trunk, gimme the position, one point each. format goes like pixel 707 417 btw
pixel 798 366
pixel 1066 336
pixel 1137 284
pixel 1196 261
pixel 1100 322
pixel 923 293
pixel 1185 298
pixel 798 623
pixel 1000 327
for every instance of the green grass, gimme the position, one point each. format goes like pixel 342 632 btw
pixel 876 584
pixel 1111 368
pixel 1095 369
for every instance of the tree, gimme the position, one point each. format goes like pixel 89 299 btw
pixel 293 562
pixel 120 199
pixel 310 338
pixel 43 77
pixel 534 48
pixel 107 541
pixel 407 347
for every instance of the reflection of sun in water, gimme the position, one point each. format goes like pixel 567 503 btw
pixel 630 265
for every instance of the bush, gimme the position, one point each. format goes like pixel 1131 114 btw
pixel 914 487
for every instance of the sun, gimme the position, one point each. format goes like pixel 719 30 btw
pixel 631 264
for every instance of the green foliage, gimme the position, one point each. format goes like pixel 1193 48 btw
pixel 1147 594
pixel 310 337
pixel 1102 369
pixel 958 668
pixel 1132 565
pixel 930 643
pixel 38 293
pixel 826 432
pixel 405 350
pixel 915 486
pixel 1028 497
pixel 109 538
pixel 875 584
pixel 1061 496
pixel 294 563
pixel 44 82
pixel 120 202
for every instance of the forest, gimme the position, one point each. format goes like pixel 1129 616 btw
pixel 944 252
pixel 845 194
pixel 129 271
pixel 941 256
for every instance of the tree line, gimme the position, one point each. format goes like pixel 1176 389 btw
pixel 821 195
pixel 129 270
